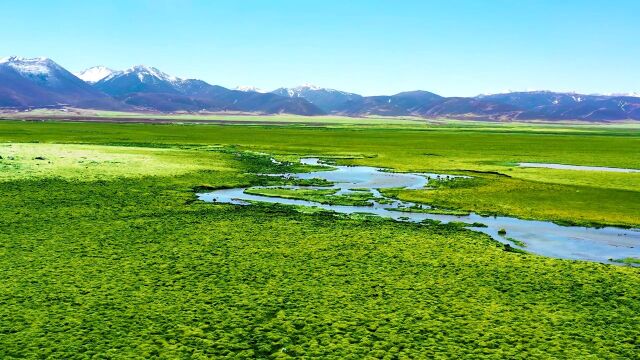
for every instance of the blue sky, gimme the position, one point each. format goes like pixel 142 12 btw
pixel 453 47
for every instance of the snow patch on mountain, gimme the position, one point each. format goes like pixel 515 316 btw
pixel 300 91
pixel 94 74
pixel 30 67
pixel 146 73
pixel 631 94
pixel 308 86
pixel 249 89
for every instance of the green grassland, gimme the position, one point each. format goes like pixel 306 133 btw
pixel 502 188
pixel 105 252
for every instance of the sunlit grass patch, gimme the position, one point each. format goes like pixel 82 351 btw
pixel 88 162
pixel 499 195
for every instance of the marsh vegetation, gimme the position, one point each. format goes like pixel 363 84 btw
pixel 106 253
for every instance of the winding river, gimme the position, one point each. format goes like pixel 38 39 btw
pixel 539 237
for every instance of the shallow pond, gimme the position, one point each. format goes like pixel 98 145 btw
pixel 539 237
pixel 576 167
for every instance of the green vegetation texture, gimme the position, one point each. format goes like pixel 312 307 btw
pixel 103 256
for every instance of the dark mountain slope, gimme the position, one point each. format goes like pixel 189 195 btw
pixel 40 82
pixel 150 88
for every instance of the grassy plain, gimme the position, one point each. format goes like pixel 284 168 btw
pixel 488 154
pixel 106 254
pixel 326 120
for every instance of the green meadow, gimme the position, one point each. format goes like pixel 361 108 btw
pixel 106 253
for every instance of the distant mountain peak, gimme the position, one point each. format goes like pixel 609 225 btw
pixel 38 66
pixel 144 73
pixel 24 59
pixel 149 88
pixel 629 94
pixel 309 86
pixel 94 74
pixel 145 69
pixel 40 82
pixel 326 99
pixel 306 88
pixel 152 71
pixel 249 89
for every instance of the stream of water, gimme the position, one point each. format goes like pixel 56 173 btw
pixel 539 237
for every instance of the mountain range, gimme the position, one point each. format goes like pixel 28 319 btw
pixel 40 82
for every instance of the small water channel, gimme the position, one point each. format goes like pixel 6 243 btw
pixel 539 237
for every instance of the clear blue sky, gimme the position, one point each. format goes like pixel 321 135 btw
pixel 452 47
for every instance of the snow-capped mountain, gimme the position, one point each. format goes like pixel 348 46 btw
pixel 327 99
pixel 149 88
pixel 565 106
pixel 249 89
pixel 139 78
pixel 148 73
pixel 40 82
pixel 300 91
pixel 40 67
pixel 94 74
pixel 342 102
pixel 532 99
pixel 629 94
